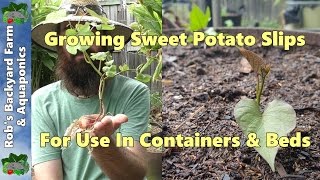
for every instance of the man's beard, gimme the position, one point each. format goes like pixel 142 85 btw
pixel 78 77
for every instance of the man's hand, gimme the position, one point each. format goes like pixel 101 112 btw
pixel 115 162
pixel 106 127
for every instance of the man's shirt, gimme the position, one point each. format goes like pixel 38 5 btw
pixel 54 109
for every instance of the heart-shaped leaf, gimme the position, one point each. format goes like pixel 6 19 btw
pixel 278 117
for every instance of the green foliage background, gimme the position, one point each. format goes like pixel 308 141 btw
pixel 43 61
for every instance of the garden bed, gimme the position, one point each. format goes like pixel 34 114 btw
pixel 201 86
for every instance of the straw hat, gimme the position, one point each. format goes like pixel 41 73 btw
pixel 76 12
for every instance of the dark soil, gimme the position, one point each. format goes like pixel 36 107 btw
pixel 195 77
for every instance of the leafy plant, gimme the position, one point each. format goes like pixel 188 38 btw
pixel 43 61
pixel 107 69
pixel 278 117
pixel 148 15
pixel 198 19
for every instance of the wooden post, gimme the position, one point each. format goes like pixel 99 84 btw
pixel 216 15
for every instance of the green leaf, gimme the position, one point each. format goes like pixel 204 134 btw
pixel 124 67
pixel 145 78
pixel 106 68
pixel 135 26
pixel 109 56
pixel 52 54
pixel 72 49
pixel 56 15
pixel 198 19
pixel 112 70
pixel 103 19
pixel 71 32
pixel 101 56
pixel 147 64
pixel 228 23
pixel 80 30
pixel 146 19
pixel 83 28
pixel 83 48
pixel 105 27
pixel 153 5
pixel 109 63
pixel 278 117
pixel 48 63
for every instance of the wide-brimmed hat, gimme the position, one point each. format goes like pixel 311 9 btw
pixel 76 12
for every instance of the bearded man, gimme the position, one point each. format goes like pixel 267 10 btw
pixel 57 105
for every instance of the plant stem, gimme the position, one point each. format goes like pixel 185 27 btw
pixel 88 60
pixel 260 88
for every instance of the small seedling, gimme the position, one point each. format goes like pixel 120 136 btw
pixel 278 117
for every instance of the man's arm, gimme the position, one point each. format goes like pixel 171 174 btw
pixel 121 163
pixel 50 170
pixel 115 162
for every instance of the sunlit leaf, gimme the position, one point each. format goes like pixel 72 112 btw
pixel 105 27
pixel 71 32
pixel 103 19
pixel 198 19
pixel 101 56
pixel 135 26
pixel 83 28
pixel 278 117
pixel 72 49
pixel 111 72
pixel 146 19
pixel 109 63
pixel 56 15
